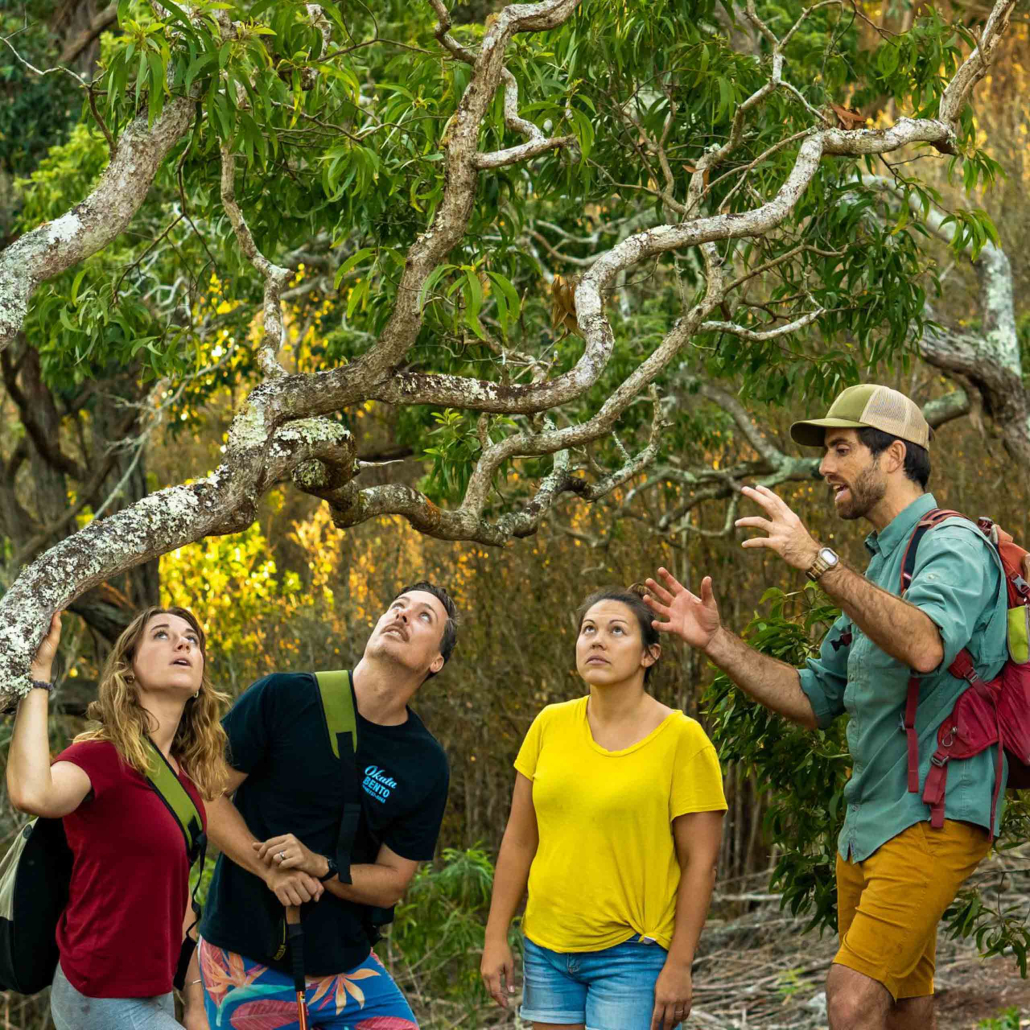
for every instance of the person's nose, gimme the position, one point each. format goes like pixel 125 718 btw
pixel 184 643
pixel 826 465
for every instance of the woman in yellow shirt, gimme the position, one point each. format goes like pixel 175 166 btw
pixel 615 825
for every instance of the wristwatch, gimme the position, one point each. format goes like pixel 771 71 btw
pixel 333 869
pixel 825 560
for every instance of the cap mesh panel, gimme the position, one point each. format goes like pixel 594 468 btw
pixel 894 413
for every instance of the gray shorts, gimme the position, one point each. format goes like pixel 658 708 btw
pixel 74 1011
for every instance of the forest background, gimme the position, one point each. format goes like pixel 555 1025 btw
pixel 134 360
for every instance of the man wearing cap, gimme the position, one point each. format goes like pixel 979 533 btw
pixel 896 873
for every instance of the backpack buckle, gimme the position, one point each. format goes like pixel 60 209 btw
pixel 938 759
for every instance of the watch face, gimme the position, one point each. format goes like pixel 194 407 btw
pixel 828 556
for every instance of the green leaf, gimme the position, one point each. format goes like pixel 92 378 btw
pixel 431 280
pixel 358 295
pixel 351 262
pixel 197 66
pixel 507 295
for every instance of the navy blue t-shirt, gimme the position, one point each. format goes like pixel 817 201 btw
pixel 278 736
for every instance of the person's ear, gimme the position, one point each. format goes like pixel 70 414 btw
pixel 436 664
pixel 896 456
pixel 651 655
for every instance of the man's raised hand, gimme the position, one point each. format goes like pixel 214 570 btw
pixel 787 534
pixel 694 619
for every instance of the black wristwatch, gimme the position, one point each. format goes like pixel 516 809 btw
pixel 333 869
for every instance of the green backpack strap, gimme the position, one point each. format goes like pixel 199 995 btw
pixel 338 707
pixel 170 790
pixel 334 688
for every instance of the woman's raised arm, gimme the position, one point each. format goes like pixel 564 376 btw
pixel 32 784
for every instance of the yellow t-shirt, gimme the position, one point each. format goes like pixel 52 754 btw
pixel 606 869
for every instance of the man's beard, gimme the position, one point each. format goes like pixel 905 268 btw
pixel 868 489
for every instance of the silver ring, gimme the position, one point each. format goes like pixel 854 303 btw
pixel 282 855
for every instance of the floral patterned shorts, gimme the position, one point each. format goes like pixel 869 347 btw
pixel 240 994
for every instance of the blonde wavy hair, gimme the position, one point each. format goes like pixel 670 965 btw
pixel 200 743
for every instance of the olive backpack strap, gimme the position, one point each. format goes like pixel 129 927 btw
pixel 341 722
pixel 169 789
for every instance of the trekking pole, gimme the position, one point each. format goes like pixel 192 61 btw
pixel 296 937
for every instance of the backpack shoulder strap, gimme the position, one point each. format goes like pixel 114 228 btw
pixel 170 790
pixel 334 688
pixel 932 518
pixel 337 696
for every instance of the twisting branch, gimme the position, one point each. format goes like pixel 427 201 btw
pixel 537 144
pixel 276 277
pixel 443 34
pixel 761 336
pixel 975 67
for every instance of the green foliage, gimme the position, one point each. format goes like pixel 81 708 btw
pixel 989 912
pixel 440 924
pixel 1007 1020
pixel 805 819
pixel 353 141
pixel 35 112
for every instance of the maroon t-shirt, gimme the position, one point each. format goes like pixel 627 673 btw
pixel 121 933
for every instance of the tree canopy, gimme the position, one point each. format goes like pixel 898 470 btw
pixel 533 240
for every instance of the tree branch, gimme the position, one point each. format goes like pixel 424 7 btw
pixel 276 277
pixel 537 144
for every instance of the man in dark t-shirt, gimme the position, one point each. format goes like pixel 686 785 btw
pixel 278 841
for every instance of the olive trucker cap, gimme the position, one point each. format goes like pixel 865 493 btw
pixel 878 407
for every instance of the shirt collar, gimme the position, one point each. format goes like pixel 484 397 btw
pixel 901 526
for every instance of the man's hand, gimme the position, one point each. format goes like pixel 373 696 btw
pixel 695 619
pixel 286 852
pixel 293 887
pixel 673 992
pixel 787 534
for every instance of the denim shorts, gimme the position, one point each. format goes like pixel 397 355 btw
pixel 611 989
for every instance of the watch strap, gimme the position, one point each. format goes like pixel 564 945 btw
pixel 331 870
pixel 820 566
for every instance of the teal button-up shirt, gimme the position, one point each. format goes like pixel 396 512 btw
pixel 958 583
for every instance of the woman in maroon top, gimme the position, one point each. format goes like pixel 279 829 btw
pixel 120 935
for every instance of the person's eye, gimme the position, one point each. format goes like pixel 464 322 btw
pixel 616 629
pixel 425 615
pixel 160 633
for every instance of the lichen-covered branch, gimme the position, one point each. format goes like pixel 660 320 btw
pixel 276 277
pixel 91 225
pixel 537 142
pixel 990 360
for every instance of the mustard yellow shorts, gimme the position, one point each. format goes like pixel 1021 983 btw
pixel 888 906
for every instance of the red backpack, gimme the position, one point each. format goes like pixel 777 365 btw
pixel 986 713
